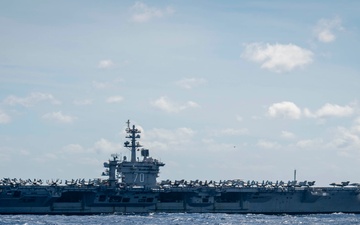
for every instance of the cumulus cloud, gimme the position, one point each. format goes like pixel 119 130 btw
pixel 114 99
pixel 46 157
pixel 170 135
pixel 287 134
pixel 100 85
pixel 83 102
pixel 59 117
pixel 142 13
pixel 215 147
pixel 166 139
pixel 357 121
pixel 284 110
pixel 73 149
pixel 106 64
pixel 239 118
pixel 334 110
pixel 278 57
pixel 292 111
pixel 4 118
pixel 105 146
pixel 167 105
pixel 347 138
pixel 231 132
pixel 101 146
pixel 31 99
pixel 189 83
pixel 326 28
pixel 267 144
pixel 107 84
pixel 330 110
pixel 310 143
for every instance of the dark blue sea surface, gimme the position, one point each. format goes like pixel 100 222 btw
pixel 181 218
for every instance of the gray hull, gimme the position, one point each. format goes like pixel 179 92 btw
pixel 95 200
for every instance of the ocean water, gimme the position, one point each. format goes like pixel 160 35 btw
pixel 181 218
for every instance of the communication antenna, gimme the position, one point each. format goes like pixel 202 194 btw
pixel 133 144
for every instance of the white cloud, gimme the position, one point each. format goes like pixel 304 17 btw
pixel 216 147
pixel 268 144
pixel 114 99
pixel 109 84
pixel 101 146
pixel 31 99
pixel 334 110
pixel 167 105
pixel 290 110
pixel 231 132
pixel 357 120
pixel 100 85
pixel 4 118
pixel 239 118
pixel 278 57
pixel 165 138
pixel 46 157
pixel 105 146
pixel 24 152
pixel 284 110
pixel 325 29
pixel 308 113
pixel 170 135
pixel 59 117
pixel 143 13
pixel 106 64
pixel 189 83
pixel 310 143
pixel 287 134
pixel 347 138
pixel 256 117
pixel 83 102
pixel 330 110
pixel 73 149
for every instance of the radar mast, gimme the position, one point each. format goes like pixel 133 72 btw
pixel 133 144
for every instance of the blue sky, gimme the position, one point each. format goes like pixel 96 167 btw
pixel 221 90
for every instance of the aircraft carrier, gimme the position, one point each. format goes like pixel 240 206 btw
pixel 131 187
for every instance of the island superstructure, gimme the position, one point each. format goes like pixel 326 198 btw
pixel 141 173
